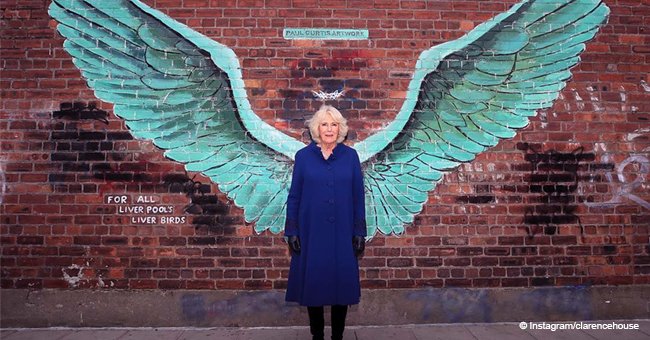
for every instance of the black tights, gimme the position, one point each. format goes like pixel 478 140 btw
pixel 317 321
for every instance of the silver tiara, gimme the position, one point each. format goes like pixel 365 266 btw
pixel 328 96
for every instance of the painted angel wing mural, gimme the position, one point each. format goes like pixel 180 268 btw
pixel 468 94
pixel 185 92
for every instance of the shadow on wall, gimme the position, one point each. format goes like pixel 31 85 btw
pixel 454 305
pixel 197 309
pixel 571 301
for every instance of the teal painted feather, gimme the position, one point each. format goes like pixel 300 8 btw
pixel 468 94
pixel 185 92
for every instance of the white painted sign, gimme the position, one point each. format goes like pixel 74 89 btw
pixel 144 209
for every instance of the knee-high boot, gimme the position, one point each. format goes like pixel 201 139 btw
pixel 339 312
pixel 316 322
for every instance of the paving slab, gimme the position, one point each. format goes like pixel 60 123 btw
pixel 375 333
pixel 38 334
pixel 442 332
pixel 5 333
pixel 150 334
pixel 498 332
pixel 644 326
pixel 542 334
pixel 217 333
pixel 96 334
pixel 269 334
pixel 606 334
pixel 242 334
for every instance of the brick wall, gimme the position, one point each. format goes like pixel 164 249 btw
pixel 564 202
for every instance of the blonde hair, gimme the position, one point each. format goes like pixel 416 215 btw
pixel 319 117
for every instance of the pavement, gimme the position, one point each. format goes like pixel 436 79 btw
pixel 477 331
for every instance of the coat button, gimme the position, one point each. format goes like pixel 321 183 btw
pixel 331 219
pixel 331 201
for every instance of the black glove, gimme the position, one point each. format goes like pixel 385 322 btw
pixel 359 245
pixel 294 244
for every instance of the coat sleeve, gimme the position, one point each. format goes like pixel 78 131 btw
pixel 294 198
pixel 359 199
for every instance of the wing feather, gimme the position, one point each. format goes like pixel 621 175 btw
pixel 184 92
pixel 468 94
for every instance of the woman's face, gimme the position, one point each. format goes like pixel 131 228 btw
pixel 328 130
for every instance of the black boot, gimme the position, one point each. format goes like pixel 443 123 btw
pixel 339 312
pixel 316 322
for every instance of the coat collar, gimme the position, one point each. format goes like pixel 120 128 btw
pixel 315 148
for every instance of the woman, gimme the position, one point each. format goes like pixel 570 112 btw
pixel 326 224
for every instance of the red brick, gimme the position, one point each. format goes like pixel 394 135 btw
pixel 229 284
pixel 200 284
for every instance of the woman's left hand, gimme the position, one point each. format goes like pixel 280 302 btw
pixel 294 244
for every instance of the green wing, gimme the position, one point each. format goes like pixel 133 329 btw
pixel 185 92
pixel 468 94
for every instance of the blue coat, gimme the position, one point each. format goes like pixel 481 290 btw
pixel 325 208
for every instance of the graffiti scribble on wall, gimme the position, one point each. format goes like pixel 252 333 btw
pixel 553 179
pixel 627 187
pixel 79 110
pixel 185 92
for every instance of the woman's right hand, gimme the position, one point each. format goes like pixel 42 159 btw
pixel 294 244
pixel 359 245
